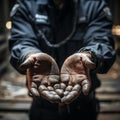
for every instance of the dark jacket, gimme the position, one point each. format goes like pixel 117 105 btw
pixel 38 26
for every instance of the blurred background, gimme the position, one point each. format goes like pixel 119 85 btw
pixel 14 99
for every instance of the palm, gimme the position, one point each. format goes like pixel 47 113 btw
pixel 42 76
pixel 76 77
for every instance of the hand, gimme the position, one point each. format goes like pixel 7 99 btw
pixel 75 75
pixel 42 75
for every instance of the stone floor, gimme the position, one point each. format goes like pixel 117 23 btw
pixel 14 116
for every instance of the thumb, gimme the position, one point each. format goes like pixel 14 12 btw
pixel 86 59
pixel 27 63
pixel 89 64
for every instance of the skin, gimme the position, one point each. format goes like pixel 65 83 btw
pixel 42 75
pixel 58 86
pixel 75 74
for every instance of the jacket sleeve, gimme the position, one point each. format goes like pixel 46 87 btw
pixel 22 40
pixel 98 37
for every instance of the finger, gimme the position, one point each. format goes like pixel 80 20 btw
pixel 89 64
pixel 77 87
pixel 69 88
pixel 86 85
pixel 66 93
pixel 56 98
pixel 42 88
pixel 62 86
pixel 50 88
pixel 33 85
pixel 70 97
pixel 71 93
pixel 50 96
pixel 60 92
pixel 34 92
pixel 56 86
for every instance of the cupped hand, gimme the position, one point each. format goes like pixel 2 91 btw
pixel 75 75
pixel 42 74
